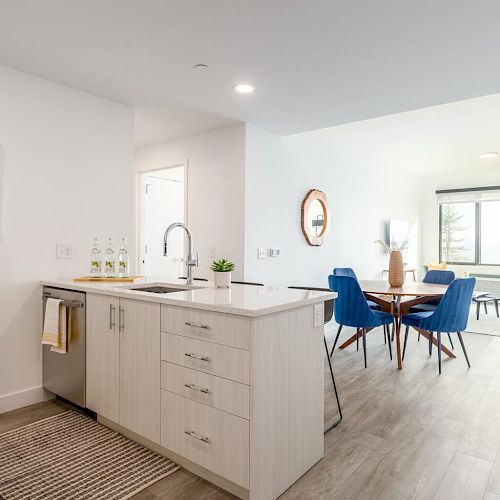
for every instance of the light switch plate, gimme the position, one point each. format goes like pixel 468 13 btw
pixel 318 314
pixel 64 251
pixel 261 253
pixel 274 252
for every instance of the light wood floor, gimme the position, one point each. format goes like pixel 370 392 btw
pixel 409 434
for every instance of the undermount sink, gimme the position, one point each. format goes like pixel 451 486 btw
pixel 160 289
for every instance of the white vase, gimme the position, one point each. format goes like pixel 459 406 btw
pixel 222 280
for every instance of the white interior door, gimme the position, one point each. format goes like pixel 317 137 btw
pixel 162 204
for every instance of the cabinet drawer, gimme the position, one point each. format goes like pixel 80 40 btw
pixel 207 389
pixel 207 357
pixel 211 438
pixel 233 331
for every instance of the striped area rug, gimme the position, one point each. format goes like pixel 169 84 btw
pixel 71 456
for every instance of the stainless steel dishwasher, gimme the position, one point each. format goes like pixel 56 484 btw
pixel 64 374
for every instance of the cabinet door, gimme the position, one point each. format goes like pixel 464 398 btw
pixel 103 351
pixel 140 368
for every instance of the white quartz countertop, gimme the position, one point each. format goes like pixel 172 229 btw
pixel 243 300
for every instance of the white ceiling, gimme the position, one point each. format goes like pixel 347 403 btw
pixel 438 140
pixel 314 63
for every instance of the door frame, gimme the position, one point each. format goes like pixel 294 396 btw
pixel 141 204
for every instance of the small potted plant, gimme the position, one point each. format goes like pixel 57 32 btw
pixel 222 272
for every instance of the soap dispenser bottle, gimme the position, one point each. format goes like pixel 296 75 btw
pixel 123 260
pixel 110 260
pixel 95 260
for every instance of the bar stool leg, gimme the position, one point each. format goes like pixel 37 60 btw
pixel 336 338
pixel 336 393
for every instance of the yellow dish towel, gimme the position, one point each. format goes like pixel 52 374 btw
pixel 56 326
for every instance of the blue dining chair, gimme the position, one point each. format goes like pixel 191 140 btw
pixel 348 271
pixel 439 277
pixel 451 315
pixel 351 309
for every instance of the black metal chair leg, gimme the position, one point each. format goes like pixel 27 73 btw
pixel 393 332
pixel 478 307
pixel 451 342
pixel 385 334
pixel 357 339
pixel 431 336
pixel 336 393
pixel 485 308
pixel 363 333
pixel 463 348
pixel 406 340
pixel 439 350
pixel 390 347
pixel 496 308
pixel 336 339
pixel 418 339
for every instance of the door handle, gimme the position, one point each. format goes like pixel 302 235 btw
pixel 196 388
pixel 196 356
pixel 121 319
pixel 205 439
pixel 112 317
pixel 197 325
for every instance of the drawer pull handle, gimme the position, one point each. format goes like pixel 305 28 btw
pixel 196 388
pixel 197 436
pixel 197 325
pixel 196 356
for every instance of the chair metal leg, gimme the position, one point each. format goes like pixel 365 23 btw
pixel 357 339
pixel 451 342
pixel 431 336
pixel 418 339
pixel 406 340
pixel 496 308
pixel 337 422
pixel 393 332
pixel 439 350
pixel 478 306
pixel 485 308
pixel 385 334
pixel 390 347
pixel 336 338
pixel 463 348
pixel 363 333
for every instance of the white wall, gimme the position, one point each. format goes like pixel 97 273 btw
pixel 430 211
pixel 216 190
pixel 365 187
pixel 68 176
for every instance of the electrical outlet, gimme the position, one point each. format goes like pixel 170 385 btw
pixel 318 314
pixel 64 251
pixel 261 253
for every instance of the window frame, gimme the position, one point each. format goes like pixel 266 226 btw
pixel 477 229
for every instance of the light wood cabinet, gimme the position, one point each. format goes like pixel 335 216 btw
pixel 140 368
pixel 123 368
pixel 103 356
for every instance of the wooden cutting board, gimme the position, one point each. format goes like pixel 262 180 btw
pixel 130 279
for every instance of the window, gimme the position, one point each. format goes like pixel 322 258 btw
pixel 468 226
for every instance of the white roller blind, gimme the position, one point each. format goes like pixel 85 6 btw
pixel 468 196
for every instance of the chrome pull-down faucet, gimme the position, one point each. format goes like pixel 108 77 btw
pixel 191 261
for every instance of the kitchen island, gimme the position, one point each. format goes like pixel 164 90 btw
pixel 226 382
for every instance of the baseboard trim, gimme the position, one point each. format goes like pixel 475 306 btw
pixel 20 399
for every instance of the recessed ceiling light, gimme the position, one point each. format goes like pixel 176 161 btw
pixel 243 88
pixel 200 66
pixel 491 154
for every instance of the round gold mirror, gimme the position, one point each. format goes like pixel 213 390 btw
pixel 315 217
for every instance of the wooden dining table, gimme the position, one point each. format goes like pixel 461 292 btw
pixel 399 301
